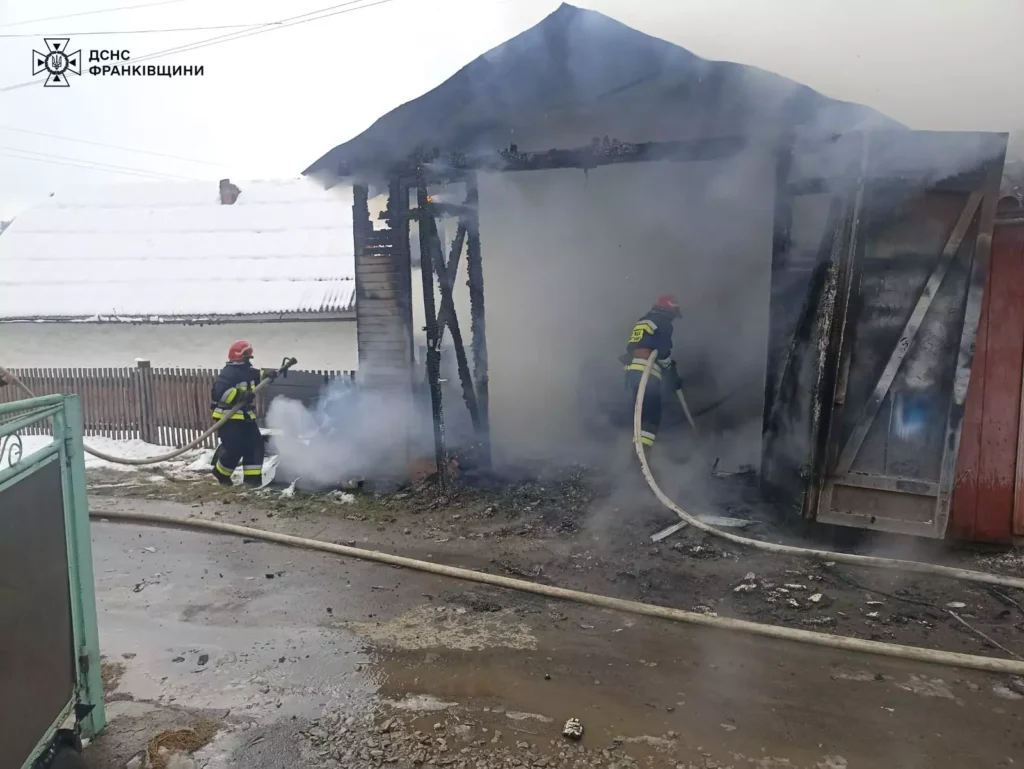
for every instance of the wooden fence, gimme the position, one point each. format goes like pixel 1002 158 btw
pixel 165 406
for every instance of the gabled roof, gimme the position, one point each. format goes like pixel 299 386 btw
pixel 576 75
pixel 172 251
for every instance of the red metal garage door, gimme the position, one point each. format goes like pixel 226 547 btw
pixel 988 499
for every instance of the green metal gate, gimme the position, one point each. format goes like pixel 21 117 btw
pixel 50 682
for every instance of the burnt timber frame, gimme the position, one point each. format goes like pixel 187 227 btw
pixel 387 253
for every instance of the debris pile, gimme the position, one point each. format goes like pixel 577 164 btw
pixel 573 729
pixel 339 740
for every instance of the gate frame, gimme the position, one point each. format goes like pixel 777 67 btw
pixel 86 705
pixel 825 327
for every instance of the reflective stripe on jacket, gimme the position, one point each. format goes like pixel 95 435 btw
pixel 236 382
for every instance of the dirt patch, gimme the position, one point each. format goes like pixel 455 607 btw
pixel 186 741
pixel 111 674
pixel 448 627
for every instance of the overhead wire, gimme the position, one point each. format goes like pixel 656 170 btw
pixel 290 21
pixel 91 13
pixel 107 146
pixel 140 31
pixel 88 165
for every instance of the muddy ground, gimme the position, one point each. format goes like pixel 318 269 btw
pixel 267 657
pixel 578 530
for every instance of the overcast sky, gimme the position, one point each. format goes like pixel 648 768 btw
pixel 271 103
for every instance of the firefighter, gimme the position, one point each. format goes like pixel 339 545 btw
pixel 240 437
pixel 652 332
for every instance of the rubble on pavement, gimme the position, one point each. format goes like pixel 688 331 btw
pixel 339 740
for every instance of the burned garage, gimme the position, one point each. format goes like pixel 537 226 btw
pixel 512 224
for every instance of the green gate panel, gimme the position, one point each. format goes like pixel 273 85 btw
pixel 37 658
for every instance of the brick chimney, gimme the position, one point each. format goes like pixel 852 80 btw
pixel 228 192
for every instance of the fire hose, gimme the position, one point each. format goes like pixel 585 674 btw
pixel 847 643
pixel 898 651
pixel 285 365
pixel 917 567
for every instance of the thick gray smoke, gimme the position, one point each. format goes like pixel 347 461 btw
pixel 346 436
pixel 572 258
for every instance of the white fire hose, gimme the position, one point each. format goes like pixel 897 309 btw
pixel 148 460
pixel 898 651
pixel 916 653
pixel 823 555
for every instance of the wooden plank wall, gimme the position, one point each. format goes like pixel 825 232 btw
pixel 384 332
pixel 988 498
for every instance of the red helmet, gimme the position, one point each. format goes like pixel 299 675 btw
pixel 669 304
pixel 240 350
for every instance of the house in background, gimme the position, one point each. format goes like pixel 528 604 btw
pixel 173 272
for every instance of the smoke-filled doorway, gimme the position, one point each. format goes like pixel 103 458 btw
pixel 574 257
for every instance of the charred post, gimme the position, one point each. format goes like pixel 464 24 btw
pixel 447 313
pixel 398 223
pixel 474 267
pixel 781 246
pixel 427 239
pixel 446 274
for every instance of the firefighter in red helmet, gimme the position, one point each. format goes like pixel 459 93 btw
pixel 240 438
pixel 653 332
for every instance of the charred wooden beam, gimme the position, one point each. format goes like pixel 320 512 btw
pixel 433 352
pixel 446 274
pixel 398 223
pixel 446 279
pixel 445 167
pixel 474 267
pixel 781 244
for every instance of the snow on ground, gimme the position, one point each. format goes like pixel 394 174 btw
pixel 132 449
pixel 189 464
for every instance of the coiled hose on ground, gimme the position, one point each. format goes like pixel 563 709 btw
pixel 147 460
pixel 917 567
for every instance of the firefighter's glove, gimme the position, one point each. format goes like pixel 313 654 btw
pixel 271 375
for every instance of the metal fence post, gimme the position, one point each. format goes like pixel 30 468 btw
pixel 68 431
pixel 144 400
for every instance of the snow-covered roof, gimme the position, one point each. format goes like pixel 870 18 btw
pixel 173 251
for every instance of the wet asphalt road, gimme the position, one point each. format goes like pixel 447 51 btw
pixel 262 638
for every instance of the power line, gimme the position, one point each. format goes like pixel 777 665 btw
pixel 84 167
pixel 317 15
pixel 280 24
pixel 140 31
pixel 108 146
pixel 90 13
pixel 95 165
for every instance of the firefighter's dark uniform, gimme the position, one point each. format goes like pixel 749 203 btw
pixel 240 437
pixel 652 332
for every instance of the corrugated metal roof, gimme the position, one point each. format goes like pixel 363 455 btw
pixel 171 250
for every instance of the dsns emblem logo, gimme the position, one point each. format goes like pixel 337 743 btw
pixel 56 62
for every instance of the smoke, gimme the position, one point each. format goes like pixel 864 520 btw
pixel 572 258
pixel 349 434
